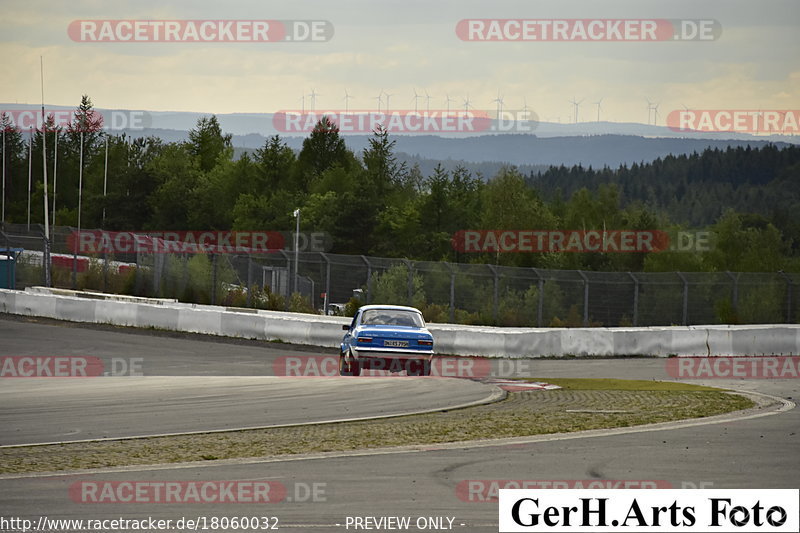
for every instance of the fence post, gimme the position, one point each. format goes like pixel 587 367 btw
pixel 369 278
pixel 185 277
pixel 213 279
pixel 789 295
pixel 105 270
pixel 75 262
pixel 288 279
pixel 685 299
pixel 137 278
pixel 496 295
pixel 585 299
pixel 9 255
pixel 452 292
pixel 409 266
pixel 735 295
pixel 635 299
pixel 541 298
pixel 327 283
pixel 48 280
pixel 249 300
pixel 158 264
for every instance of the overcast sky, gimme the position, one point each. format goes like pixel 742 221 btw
pixel 401 46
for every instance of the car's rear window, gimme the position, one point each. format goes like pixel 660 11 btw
pixel 392 317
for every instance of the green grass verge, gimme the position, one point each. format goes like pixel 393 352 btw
pixel 582 404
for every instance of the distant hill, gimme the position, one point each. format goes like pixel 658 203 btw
pixel 595 144
pixel 521 150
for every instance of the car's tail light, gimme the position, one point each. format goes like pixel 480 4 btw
pixel 425 343
pixel 365 339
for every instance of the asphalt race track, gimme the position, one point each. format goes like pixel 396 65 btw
pixel 37 410
pixel 168 398
pixel 446 481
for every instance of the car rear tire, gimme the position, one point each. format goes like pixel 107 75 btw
pixel 419 368
pixel 351 368
pixel 426 368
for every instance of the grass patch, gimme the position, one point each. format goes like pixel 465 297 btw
pixel 626 403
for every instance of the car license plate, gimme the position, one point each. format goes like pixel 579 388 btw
pixel 396 344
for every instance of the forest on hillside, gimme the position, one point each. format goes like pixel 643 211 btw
pixel 371 203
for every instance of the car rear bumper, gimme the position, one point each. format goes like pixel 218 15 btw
pixel 388 353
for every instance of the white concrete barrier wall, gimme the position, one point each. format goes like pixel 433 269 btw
pixel 780 339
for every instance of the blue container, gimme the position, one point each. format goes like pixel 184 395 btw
pixel 8 263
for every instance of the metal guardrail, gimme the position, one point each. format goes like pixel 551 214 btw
pixel 446 292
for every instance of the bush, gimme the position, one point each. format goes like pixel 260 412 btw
pixel 726 314
pixel 236 297
pixel 264 298
pixel 467 318
pixel 300 304
pixel 352 306
pixel 436 313
pixel 391 287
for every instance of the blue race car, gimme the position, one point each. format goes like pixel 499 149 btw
pixel 386 337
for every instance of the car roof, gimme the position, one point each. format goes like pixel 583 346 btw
pixel 395 307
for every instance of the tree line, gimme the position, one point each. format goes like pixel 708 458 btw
pixel 371 203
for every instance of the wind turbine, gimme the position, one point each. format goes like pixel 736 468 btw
pixel 576 105
pixel 448 99
pixel 650 108
pixel 783 121
pixel 525 107
pixel 387 95
pixel 416 99
pixel 597 103
pixel 303 104
pixel 313 96
pixel 378 98
pixel 346 98
pixel 499 101
pixel 655 114
pixel 427 102
pixel 467 105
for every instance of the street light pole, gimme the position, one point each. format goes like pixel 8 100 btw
pixel 80 197
pixel 4 176
pixel 30 174
pixel 105 183
pixel 296 246
pixel 55 172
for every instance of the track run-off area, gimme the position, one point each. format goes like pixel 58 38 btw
pixel 185 383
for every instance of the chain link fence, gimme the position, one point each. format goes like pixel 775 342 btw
pixel 445 292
